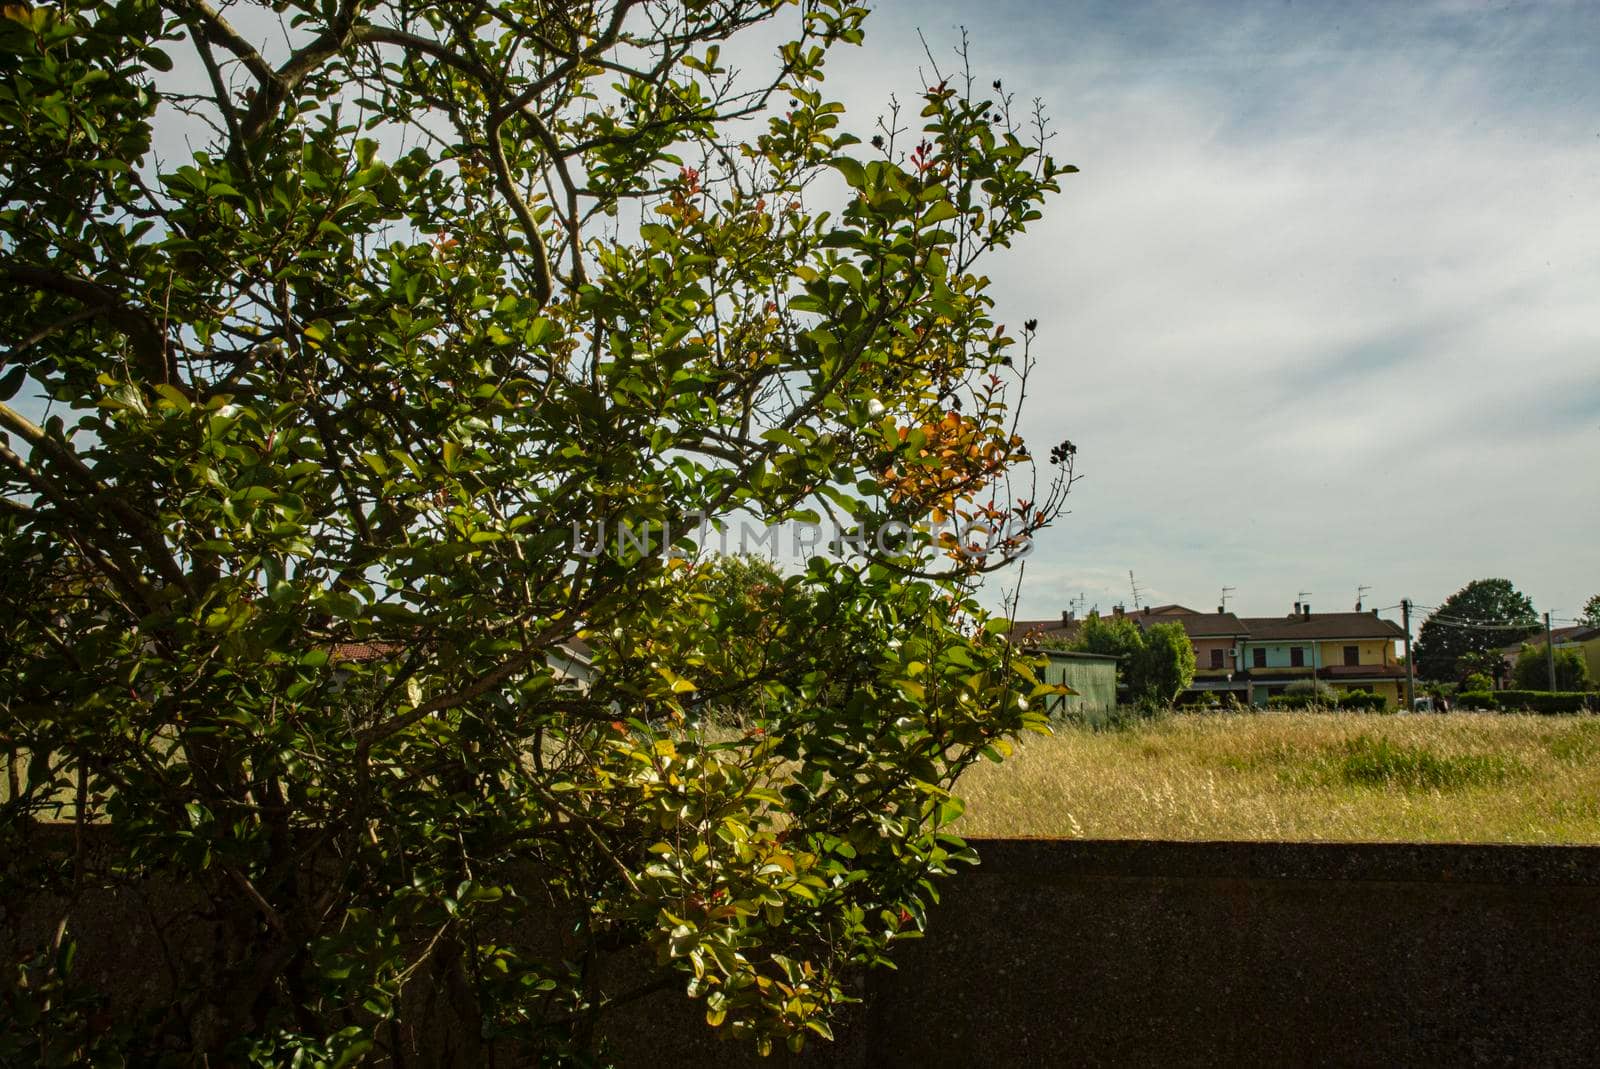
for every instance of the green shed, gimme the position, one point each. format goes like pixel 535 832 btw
pixel 1093 678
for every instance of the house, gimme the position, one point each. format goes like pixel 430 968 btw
pixel 1216 638
pixel 1345 650
pixel 1581 637
pixel 571 661
pixel 1255 658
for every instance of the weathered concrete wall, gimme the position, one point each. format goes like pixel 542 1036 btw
pixel 1116 953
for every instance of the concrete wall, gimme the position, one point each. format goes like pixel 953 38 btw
pixel 1060 953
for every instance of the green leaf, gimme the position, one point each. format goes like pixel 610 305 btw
pixel 11 382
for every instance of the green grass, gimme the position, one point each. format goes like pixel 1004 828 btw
pixel 1301 776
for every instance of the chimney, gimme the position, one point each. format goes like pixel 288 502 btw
pixel 1147 610
pixel 1067 617
pixel 1297 608
pixel 1374 612
pixel 1221 609
pixel 1305 611
pixel 1116 610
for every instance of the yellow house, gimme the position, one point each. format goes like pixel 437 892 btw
pixel 1345 650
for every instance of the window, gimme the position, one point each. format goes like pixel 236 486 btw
pixel 1352 655
pixel 1258 657
pixel 1297 657
pixel 1216 658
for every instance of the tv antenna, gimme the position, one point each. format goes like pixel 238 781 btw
pixel 1134 583
pixel 1227 592
pixel 1076 604
pixel 1303 595
pixel 1361 595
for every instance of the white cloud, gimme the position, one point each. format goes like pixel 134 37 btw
pixel 1321 308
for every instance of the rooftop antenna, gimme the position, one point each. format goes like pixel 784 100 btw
pixel 1227 592
pixel 1361 595
pixel 1135 584
pixel 1303 595
pixel 1077 603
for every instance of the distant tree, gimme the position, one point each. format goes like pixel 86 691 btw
pixel 1114 636
pixel 1477 681
pixel 1165 667
pixel 1490 664
pixel 1156 665
pixel 1591 611
pixel 1483 616
pixel 1533 669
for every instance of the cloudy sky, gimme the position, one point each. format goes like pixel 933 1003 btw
pixel 1322 308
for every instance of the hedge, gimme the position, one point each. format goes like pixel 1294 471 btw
pixel 1357 700
pixel 1531 701
pixel 1363 700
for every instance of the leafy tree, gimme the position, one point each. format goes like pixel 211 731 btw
pixel 454 320
pixel 1490 663
pixel 1111 636
pixel 1591 611
pixel 1484 616
pixel 1166 665
pixel 1532 671
pixel 1155 665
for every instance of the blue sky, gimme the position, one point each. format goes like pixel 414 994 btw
pixel 1322 308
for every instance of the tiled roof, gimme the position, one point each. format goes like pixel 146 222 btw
pixel 1195 624
pixel 1043 630
pixel 1319 626
pixel 1296 628
pixel 362 652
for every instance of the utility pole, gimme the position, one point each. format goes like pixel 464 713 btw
pixel 1411 671
pixel 1549 652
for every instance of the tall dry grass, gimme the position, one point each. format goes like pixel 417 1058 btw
pixel 1300 776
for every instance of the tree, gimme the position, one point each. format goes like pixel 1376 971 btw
pixel 452 332
pixel 1155 665
pixel 1532 671
pixel 1166 665
pixel 1591 611
pixel 1484 616
pixel 1109 636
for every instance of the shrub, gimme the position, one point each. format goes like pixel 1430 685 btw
pixel 1478 698
pixel 1532 671
pixel 1548 702
pixel 1475 681
pixel 312 392
pixel 1363 701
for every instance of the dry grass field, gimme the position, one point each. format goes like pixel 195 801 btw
pixel 1458 777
